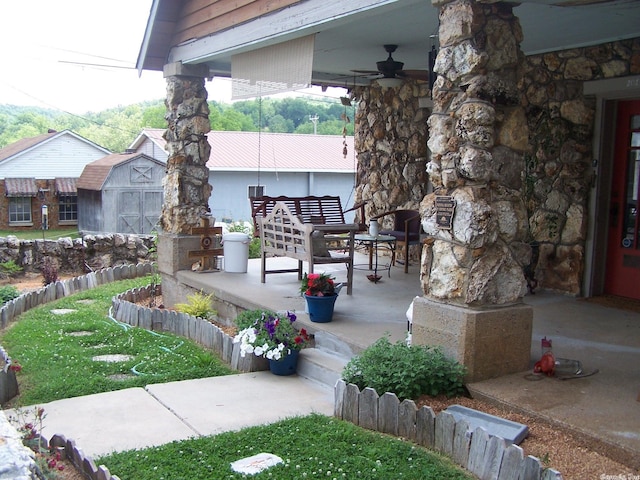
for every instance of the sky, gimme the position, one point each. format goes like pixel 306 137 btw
pixel 52 50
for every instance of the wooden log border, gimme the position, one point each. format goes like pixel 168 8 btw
pixel 486 456
pixel 199 330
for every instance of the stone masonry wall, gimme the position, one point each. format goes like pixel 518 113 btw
pixel 79 254
pixel 559 172
pixel 391 141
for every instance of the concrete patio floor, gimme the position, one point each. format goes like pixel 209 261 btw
pixel 605 406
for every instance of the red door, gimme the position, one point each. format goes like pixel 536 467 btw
pixel 623 251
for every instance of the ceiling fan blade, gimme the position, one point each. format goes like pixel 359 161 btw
pixel 415 74
pixel 368 72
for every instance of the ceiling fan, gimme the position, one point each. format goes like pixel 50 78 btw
pixel 390 68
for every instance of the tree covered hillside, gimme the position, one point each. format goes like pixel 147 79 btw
pixel 116 128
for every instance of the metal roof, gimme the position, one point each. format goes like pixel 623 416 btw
pixel 21 187
pixel 66 186
pixel 250 151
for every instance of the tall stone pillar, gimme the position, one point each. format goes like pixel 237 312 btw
pixel 472 265
pixel 186 183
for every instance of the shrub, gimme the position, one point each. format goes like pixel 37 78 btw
pixel 198 305
pixel 10 268
pixel 254 244
pixel 255 250
pixel 407 371
pixel 49 271
pixel 8 292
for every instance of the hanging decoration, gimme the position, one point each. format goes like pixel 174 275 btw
pixel 433 53
pixel 346 102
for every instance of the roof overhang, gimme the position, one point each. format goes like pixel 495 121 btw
pixel 350 35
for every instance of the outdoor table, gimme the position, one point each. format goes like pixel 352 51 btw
pixel 372 242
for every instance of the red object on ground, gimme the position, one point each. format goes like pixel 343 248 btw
pixel 546 364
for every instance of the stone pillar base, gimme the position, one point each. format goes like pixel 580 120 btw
pixel 173 256
pixel 490 342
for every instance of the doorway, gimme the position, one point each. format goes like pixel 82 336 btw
pixel 622 276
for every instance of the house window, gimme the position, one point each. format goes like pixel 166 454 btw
pixel 20 210
pixel 68 208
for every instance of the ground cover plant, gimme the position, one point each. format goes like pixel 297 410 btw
pixel 314 446
pixel 71 353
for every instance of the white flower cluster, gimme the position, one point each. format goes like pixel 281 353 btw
pixel 247 339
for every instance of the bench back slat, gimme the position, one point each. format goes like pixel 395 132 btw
pixel 312 209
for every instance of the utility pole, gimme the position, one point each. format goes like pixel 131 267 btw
pixel 314 120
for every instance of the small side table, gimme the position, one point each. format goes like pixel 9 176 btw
pixel 372 243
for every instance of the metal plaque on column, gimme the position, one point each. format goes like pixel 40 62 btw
pixel 445 208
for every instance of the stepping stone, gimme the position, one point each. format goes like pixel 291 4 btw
pixel 62 311
pixel 112 358
pixel 80 333
pixel 513 432
pixel 121 376
pixel 256 463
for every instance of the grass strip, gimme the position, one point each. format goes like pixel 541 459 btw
pixel 58 352
pixel 314 446
pixel 35 234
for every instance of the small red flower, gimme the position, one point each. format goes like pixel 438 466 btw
pixel 15 367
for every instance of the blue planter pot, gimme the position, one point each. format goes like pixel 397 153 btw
pixel 285 366
pixel 320 308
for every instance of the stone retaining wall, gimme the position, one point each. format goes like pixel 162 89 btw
pixel 91 252
pixel 484 455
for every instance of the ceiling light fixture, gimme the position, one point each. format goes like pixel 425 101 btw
pixel 387 82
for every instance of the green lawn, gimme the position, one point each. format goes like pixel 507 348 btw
pixel 35 234
pixel 310 447
pixel 57 351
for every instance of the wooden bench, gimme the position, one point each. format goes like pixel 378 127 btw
pixel 325 210
pixel 283 234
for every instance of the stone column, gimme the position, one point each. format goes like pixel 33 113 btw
pixel 186 184
pixel 472 272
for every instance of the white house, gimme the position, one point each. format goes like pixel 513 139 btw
pixel 276 163
pixel 39 174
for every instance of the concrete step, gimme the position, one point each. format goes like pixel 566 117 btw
pixel 332 344
pixel 321 366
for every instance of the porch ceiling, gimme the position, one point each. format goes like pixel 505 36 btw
pixel 350 35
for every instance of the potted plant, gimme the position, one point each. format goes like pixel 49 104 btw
pixel 275 338
pixel 320 292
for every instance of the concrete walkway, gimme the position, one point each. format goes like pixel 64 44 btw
pixel 161 413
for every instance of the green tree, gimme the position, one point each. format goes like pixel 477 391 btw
pixel 295 110
pixel 279 124
pixel 232 120
pixel 116 128
pixel 153 116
